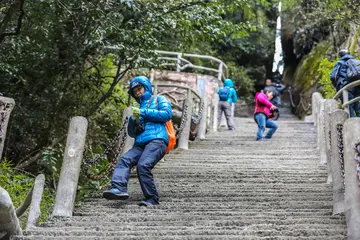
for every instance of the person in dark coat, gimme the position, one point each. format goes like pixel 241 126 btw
pixel 339 80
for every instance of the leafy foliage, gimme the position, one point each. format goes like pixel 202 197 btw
pixel 325 69
pixel 58 64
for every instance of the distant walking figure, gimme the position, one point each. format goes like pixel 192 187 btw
pixel 339 80
pixel 262 114
pixel 276 88
pixel 227 96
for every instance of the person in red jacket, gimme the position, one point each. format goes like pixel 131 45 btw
pixel 262 114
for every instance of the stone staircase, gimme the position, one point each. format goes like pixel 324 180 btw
pixel 225 187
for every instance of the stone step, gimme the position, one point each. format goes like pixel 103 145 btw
pixel 219 220
pixel 188 237
pixel 253 230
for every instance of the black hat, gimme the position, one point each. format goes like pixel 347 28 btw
pixel 134 84
pixel 343 52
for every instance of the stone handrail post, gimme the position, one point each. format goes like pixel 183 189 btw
pixel 183 141
pixel 178 62
pixel 6 106
pixel 129 141
pixel 220 73
pixel 214 114
pixel 321 131
pixel 70 171
pixel 346 99
pixel 9 223
pixel 338 118
pixel 352 189
pixel 317 110
pixel 316 96
pixel 34 212
pixel 330 106
pixel 202 128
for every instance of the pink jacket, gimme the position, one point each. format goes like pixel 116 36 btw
pixel 262 104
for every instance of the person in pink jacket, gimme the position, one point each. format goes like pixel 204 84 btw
pixel 262 114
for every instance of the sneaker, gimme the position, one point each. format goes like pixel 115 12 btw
pixel 115 194
pixel 147 203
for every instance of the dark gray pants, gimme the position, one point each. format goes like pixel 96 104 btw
pixel 224 106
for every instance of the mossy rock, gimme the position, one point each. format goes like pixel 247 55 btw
pixel 306 75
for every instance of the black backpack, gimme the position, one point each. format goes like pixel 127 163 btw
pixel 353 69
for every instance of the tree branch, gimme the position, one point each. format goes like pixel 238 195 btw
pixel 18 4
pixel 184 6
pixel 118 76
pixel 37 156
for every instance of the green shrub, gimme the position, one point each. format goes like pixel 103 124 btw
pixel 325 69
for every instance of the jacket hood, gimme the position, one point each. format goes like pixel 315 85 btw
pixel 147 86
pixel 346 57
pixel 228 83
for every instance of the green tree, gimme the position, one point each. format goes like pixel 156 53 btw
pixel 57 64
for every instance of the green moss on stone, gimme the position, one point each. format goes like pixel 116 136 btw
pixel 354 41
pixel 307 74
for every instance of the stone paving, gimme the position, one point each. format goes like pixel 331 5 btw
pixel 225 187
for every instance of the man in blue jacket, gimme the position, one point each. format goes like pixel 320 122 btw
pixel 147 125
pixel 339 80
pixel 227 96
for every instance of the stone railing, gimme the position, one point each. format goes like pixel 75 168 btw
pixel 9 222
pixel 182 61
pixel 66 192
pixel 6 106
pixel 338 142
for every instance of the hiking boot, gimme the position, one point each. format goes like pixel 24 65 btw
pixel 115 194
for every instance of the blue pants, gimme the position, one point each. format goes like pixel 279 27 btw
pixel 263 122
pixel 145 158
pixel 354 109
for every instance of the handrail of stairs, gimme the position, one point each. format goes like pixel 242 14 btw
pixel 301 101
pixel 9 217
pixel 176 59
pixel 338 142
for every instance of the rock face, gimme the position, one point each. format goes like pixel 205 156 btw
pixel 228 186
pixel 310 57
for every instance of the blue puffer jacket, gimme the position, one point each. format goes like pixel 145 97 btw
pixel 228 83
pixel 153 115
pixel 338 75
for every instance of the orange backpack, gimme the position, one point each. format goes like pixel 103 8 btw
pixel 171 135
pixel 170 131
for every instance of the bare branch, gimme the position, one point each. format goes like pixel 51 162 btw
pixel 118 76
